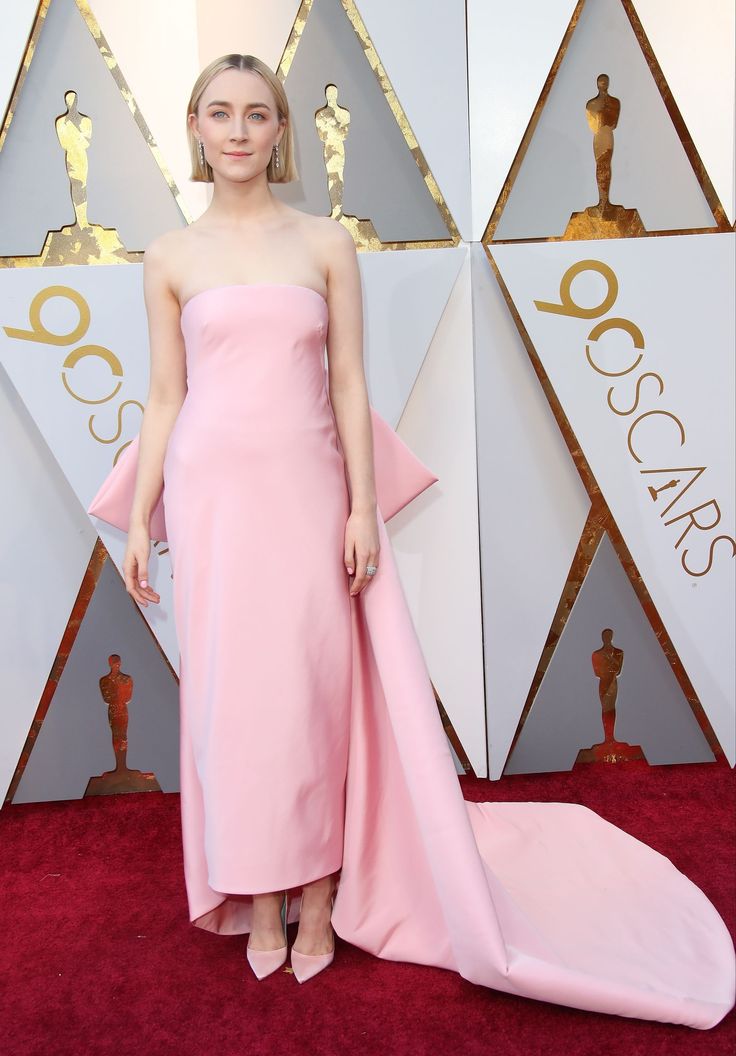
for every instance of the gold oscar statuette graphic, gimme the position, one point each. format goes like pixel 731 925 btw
pixel 333 122
pixel 117 689
pixel 604 220
pixel 80 242
pixel 654 493
pixel 608 662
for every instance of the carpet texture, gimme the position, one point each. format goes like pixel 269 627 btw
pixel 99 957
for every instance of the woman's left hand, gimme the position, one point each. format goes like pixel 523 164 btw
pixel 361 548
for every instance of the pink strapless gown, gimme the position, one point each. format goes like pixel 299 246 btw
pixel 310 737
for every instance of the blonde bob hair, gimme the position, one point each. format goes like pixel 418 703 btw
pixel 287 168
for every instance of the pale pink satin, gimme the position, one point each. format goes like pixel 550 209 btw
pixel 310 737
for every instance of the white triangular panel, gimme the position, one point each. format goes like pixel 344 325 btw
pixel 694 46
pixel 17 24
pixel 533 507
pixel 47 541
pixel 667 398
pixel 404 296
pixel 138 33
pixel 107 361
pixel 409 43
pixel 511 48
pixel 435 538
pixel 247 26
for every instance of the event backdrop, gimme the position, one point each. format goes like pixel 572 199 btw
pixel 542 197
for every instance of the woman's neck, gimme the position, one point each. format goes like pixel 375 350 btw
pixel 246 204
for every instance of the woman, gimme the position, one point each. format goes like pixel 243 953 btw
pixel 311 745
pixel 247 238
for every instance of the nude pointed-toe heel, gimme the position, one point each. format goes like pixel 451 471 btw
pixel 305 965
pixel 264 962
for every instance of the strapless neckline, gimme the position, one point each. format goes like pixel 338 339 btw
pixel 252 286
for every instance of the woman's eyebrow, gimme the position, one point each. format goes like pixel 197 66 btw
pixel 249 106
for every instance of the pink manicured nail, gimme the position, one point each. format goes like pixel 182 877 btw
pixel 350 570
pixel 144 582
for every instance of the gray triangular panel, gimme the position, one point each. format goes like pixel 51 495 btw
pixel 651 709
pixel 126 189
pixel 650 169
pixel 75 743
pixel 382 180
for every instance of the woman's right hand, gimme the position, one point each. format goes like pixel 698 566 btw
pixel 135 567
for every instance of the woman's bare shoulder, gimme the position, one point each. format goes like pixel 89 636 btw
pixel 162 262
pixel 165 260
pixel 166 247
pixel 331 241
pixel 325 228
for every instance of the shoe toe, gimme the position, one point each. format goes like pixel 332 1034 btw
pixel 264 962
pixel 307 965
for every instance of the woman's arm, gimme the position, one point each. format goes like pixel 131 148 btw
pixel 167 384
pixel 166 392
pixel 349 399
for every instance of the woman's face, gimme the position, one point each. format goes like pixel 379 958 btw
pixel 238 123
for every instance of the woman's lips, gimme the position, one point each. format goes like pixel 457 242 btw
pixel 237 154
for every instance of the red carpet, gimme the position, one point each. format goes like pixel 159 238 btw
pixel 98 956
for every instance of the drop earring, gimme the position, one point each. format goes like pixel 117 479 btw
pixel 276 152
pixel 201 153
